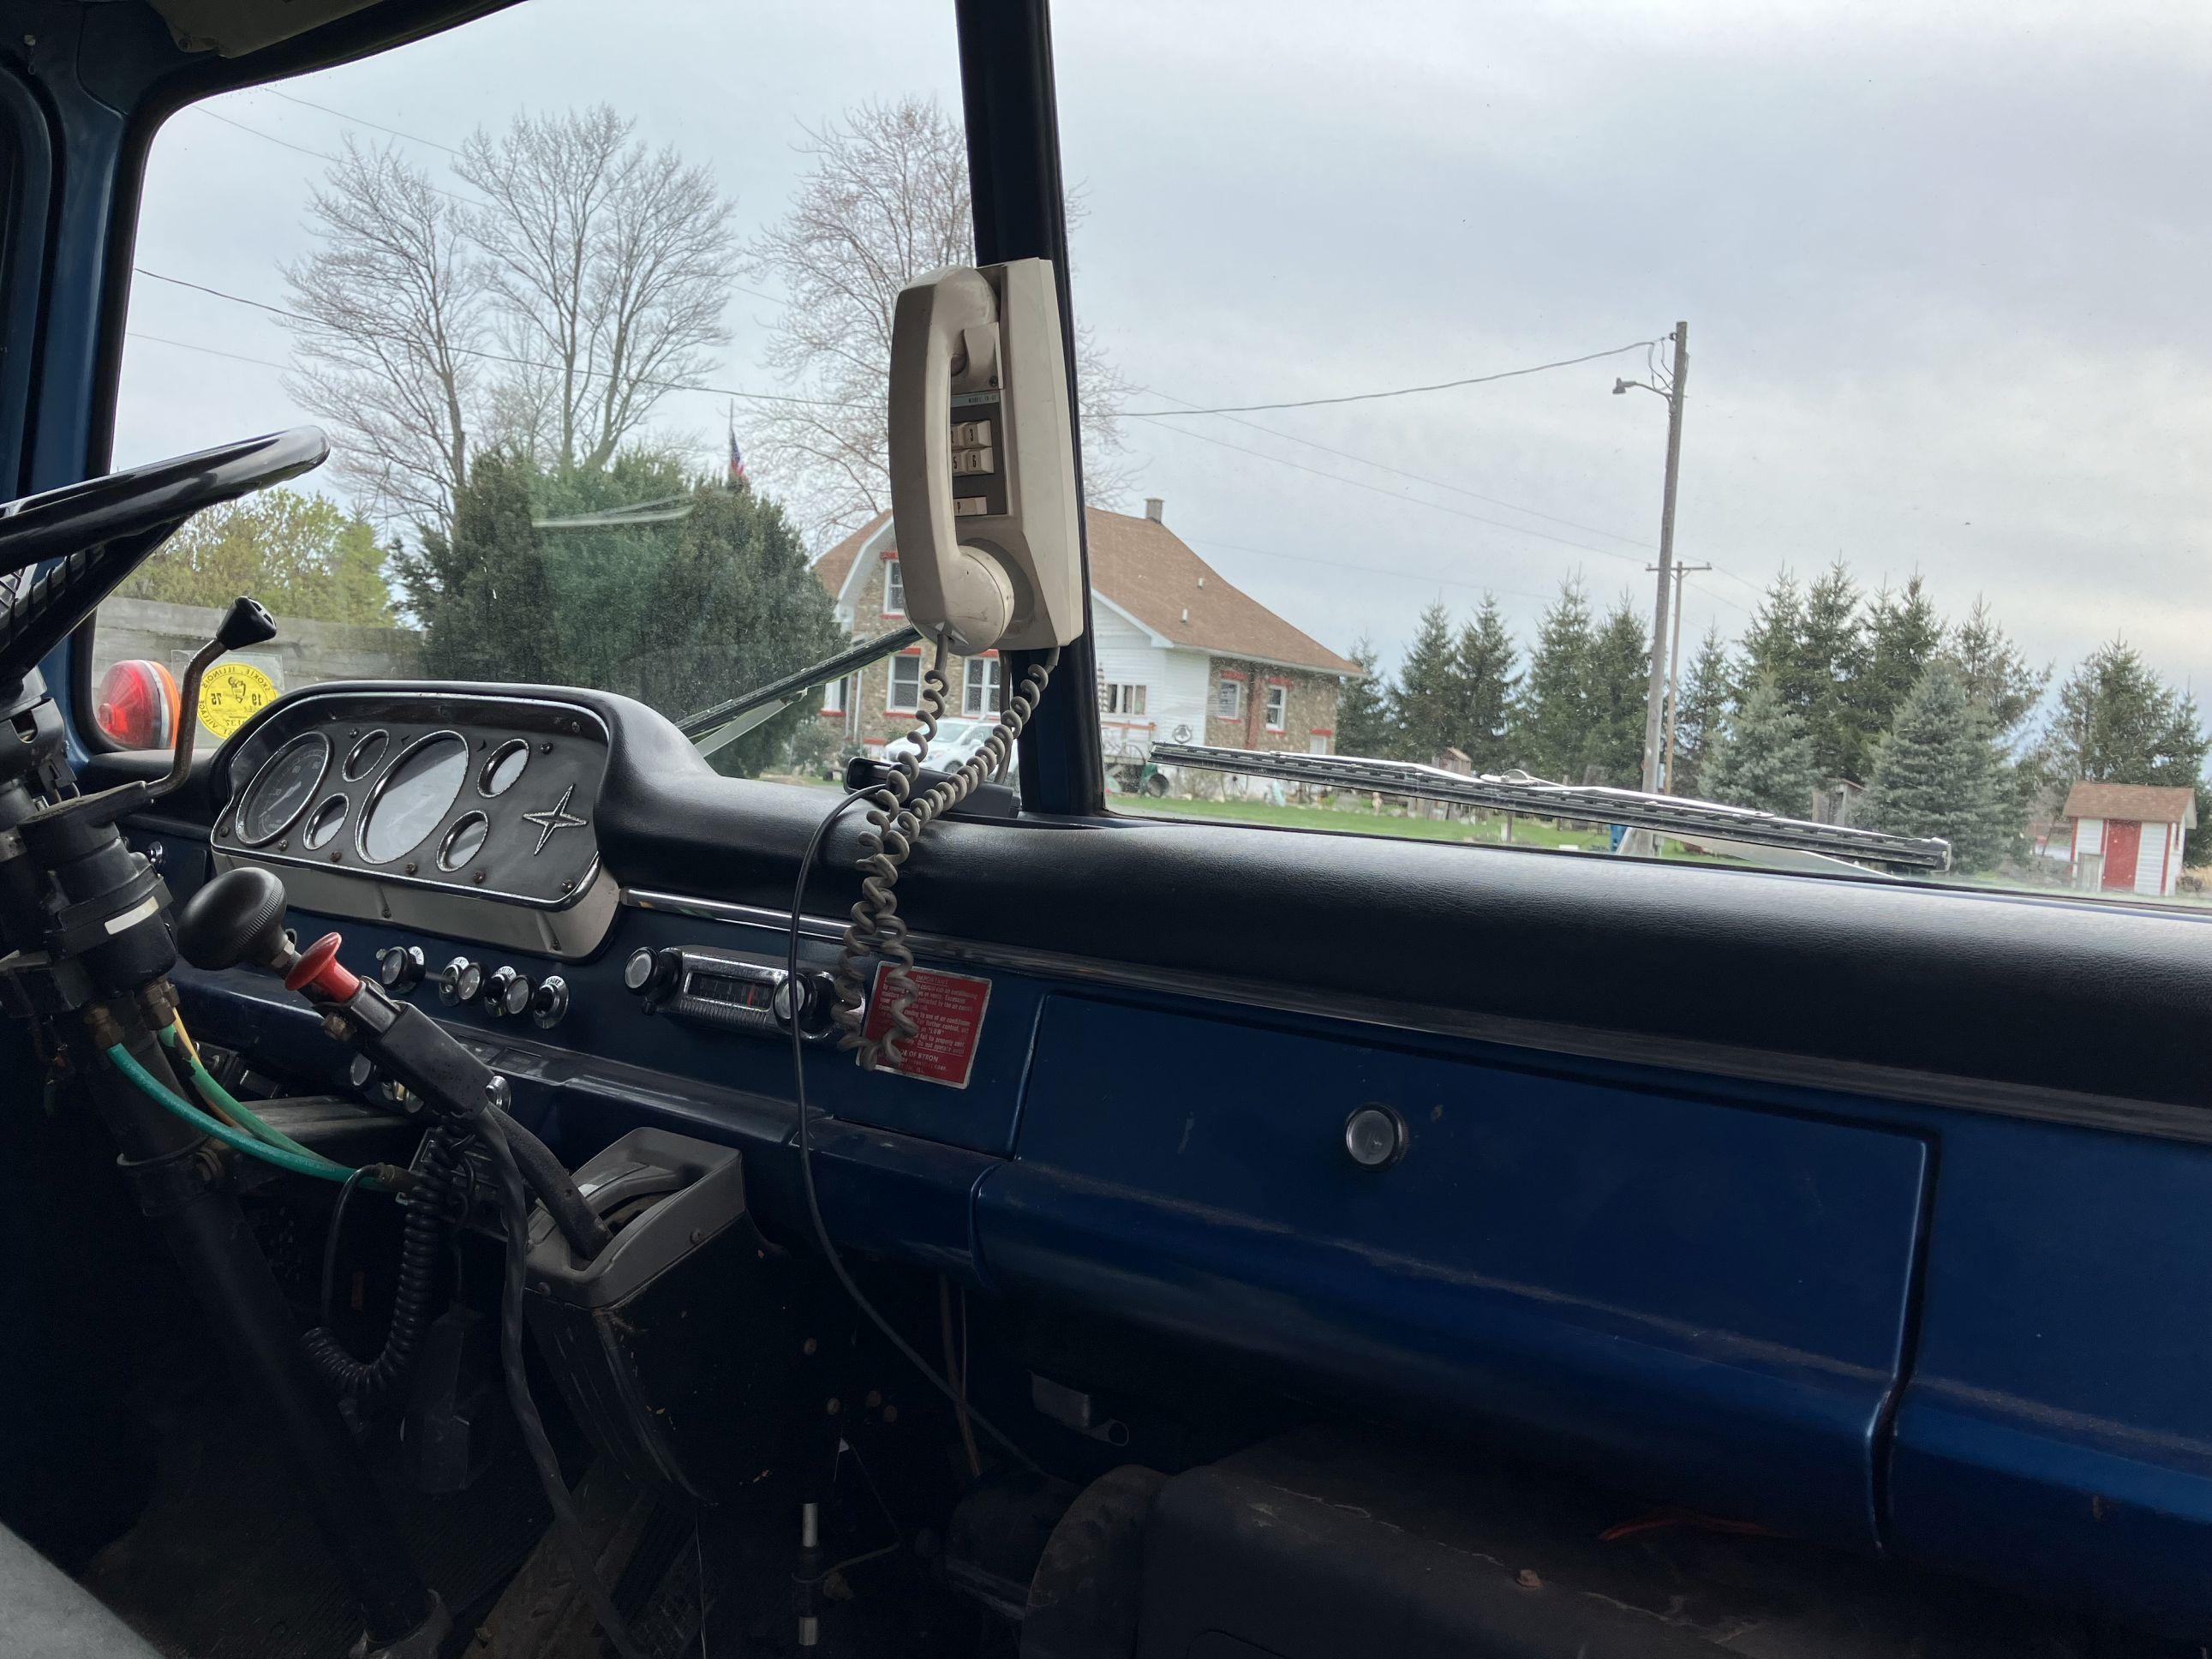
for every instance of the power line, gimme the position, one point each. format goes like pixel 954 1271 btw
pixel 491 356
pixel 316 154
pixel 1396 391
pixel 1370 570
pixel 187 345
pixel 1415 501
pixel 359 120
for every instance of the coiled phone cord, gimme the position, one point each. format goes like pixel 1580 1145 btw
pixel 897 819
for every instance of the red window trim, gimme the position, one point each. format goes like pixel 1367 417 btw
pixel 1320 732
pixel 1272 680
pixel 1230 674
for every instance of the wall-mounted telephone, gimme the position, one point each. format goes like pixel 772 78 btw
pixel 982 458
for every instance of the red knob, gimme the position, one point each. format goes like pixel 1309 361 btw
pixel 319 973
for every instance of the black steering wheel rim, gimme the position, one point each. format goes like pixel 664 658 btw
pixel 142 500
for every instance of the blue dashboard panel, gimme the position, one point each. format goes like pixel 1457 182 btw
pixel 1680 1292
pixel 2057 1432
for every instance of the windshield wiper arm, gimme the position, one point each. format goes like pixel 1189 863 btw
pixel 1674 816
pixel 716 728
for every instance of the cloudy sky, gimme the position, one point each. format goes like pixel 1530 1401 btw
pixel 1943 267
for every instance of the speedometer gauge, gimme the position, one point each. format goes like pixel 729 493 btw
pixel 406 806
pixel 282 788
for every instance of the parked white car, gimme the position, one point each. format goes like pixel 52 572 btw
pixel 956 741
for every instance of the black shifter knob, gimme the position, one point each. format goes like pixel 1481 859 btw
pixel 248 623
pixel 237 917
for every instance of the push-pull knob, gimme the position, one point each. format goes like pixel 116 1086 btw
pixel 549 1002
pixel 507 991
pixel 461 983
pixel 652 974
pixel 400 968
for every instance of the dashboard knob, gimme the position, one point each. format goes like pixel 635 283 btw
pixel 507 991
pixel 400 968
pixel 550 1001
pixel 651 973
pixel 462 982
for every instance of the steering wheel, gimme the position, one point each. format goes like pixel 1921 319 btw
pixel 158 496
pixel 97 531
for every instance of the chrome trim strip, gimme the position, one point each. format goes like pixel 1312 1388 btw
pixel 2156 1119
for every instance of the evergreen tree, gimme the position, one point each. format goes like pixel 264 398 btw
pixel 2118 722
pixel 480 590
pixel 1701 719
pixel 1941 771
pixel 1765 759
pixel 1619 698
pixel 1903 635
pixel 1427 706
pixel 1362 710
pixel 1994 672
pixel 1812 645
pixel 1488 681
pixel 1554 711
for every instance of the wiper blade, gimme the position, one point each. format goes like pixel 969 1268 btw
pixel 717 727
pixel 1674 816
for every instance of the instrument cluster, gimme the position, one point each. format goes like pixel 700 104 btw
pixel 392 797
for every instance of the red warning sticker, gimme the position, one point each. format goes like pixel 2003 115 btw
pixel 947 1010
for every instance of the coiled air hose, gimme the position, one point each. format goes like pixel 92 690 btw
pixel 422 1243
pixel 896 818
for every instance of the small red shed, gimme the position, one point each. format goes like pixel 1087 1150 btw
pixel 2127 836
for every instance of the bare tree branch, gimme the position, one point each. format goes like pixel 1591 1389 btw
pixel 887 199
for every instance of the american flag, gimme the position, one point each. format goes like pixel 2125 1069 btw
pixel 737 475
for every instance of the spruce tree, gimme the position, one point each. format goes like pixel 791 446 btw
pixel 1488 680
pixel 1995 673
pixel 1700 720
pixel 1765 760
pixel 1427 704
pixel 1812 645
pixel 1903 635
pixel 1941 771
pixel 2118 722
pixel 1362 710
pixel 1554 710
pixel 1618 698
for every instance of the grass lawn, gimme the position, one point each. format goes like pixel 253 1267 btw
pixel 1362 821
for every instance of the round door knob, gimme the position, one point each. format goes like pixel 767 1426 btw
pixel 550 1001
pixel 507 991
pixel 400 968
pixel 1375 1138
pixel 462 982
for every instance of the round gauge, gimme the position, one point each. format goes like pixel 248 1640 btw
pixel 410 799
pixel 463 841
pixel 285 784
pixel 361 759
pixel 325 822
pixel 504 767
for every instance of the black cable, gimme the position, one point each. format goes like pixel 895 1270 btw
pixel 548 1178
pixel 429 1208
pixel 514 1212
pixel 330 1246
pixel 806 1158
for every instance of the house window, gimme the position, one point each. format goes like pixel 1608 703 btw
pixel 1228 699
pixel 979 690
pixel 894 589
pixel 1278 704
pixel 1121 699
pixel 833 697
pixel 905 694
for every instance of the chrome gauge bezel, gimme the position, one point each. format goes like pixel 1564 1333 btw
pixel 495 760
pixel 338 799
pixel 446 861
pixel 356 769
pixel 243 811
pixel 368 807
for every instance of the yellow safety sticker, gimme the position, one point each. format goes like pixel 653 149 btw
pixel 232 694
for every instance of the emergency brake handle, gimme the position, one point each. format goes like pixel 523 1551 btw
pixel 246 622
pixel 982 458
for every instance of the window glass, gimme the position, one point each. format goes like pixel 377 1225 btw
pixel 1389 295
pixel 903 695
pixel 633 472
pixel 894 589
pixel 980 688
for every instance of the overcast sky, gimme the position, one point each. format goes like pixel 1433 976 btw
pixel 1944 268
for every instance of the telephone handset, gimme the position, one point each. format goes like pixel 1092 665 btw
pixel 982 458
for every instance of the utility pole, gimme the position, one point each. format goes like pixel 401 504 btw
pixel 1674 671
pixel 1678 374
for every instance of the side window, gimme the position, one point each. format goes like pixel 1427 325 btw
pixel 1122 698
pixel 1228 699
pixel 1279 703
pixel 833 696
pixel 894 589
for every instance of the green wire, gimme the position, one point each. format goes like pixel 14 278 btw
pixel 300 1163
pixel 216 1094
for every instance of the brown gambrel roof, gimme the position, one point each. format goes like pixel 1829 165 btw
pixel 2143 802
pixel 1143 568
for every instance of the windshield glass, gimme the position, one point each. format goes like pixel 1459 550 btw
pixel 1437 329
pixel 567 317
